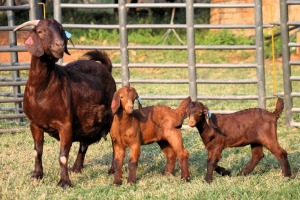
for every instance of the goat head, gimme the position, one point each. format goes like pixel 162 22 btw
pixel 47 36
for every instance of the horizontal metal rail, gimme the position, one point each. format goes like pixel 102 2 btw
pixel 13 130
pixel 157 5
pixel 12 49
pixel 11 100
pixel 161 26
pixel 15 8
pixel 20 83
pixel 186 81
pixel 11 28
pixel 12 116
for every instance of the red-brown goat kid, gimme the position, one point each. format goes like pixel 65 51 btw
pixel 133 128
pixel 72 102
pixel 255 127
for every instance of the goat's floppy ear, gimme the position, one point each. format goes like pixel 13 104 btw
pixel 66 37
pixel 34 45
pixel 208 118
pixel 115 104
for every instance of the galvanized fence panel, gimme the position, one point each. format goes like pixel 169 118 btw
pixel 189 46
pixel 291 94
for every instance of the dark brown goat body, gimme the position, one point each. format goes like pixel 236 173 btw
pixel 71 103
pixel 255 127
pixel 133 128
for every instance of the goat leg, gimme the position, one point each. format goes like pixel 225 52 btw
pixel 257 155
pixel 65 146
pixel 184 165
pixel 170 155
pixel 112 168
pixel 212 162
pixel 133 162
pixel 282 158
pixel 78 165
pixel 38 137
pixel 175 140
pixel 118 163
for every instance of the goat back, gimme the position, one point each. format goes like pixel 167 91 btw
pixel 99 56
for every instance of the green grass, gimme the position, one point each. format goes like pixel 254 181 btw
pixel 266 182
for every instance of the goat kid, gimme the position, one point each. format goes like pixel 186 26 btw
pixel 255 127
pixel 71 103
pixel 133 128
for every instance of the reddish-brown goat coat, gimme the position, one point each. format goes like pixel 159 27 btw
pixel 133 128
pixel 255 127
pixel 71 103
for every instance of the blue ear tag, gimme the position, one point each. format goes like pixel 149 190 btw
pixel 209 114
pixel 69 35
pixel 140 100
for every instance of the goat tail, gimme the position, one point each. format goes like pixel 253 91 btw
pixel 279 108
pixel 100 56
pixel 181 109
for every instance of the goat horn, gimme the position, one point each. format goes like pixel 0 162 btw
pixel 29 23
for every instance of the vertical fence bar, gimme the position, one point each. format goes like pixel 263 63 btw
pixel 123 42
pixel 191 49
pixel 32 11
pixel 58 17
pixel 286 61
pixel 13 55
pixel 259 43
pixel 57 10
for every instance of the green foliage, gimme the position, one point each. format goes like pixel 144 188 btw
pixel 224 37
pixel 271 43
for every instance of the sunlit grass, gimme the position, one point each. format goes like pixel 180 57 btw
pixel 266 182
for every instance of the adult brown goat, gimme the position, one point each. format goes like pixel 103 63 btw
pixel 71 103
pixel 133 128
pixel 255 127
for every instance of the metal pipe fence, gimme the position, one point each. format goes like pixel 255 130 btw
pixel 291 96
pixel 190 46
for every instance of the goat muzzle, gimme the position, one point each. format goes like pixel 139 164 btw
pixel 191 122
pixel 58 48
pixel 129 109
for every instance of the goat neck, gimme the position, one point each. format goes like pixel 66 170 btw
pixel 124 119
pixel 39 67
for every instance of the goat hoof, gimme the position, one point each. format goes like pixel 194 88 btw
pixel 119 182
pixel 289 174
pixel 111 171
pixel 242 173
pixel 37 175
pixel 131 181
pixel 188 180
pixel 64 184
pixel 76 169
pixel 209 181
